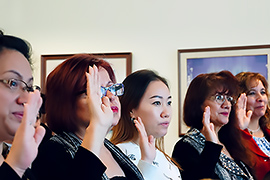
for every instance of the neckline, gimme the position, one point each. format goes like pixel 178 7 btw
pixel 253 131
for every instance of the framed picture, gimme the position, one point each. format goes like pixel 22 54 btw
pixel 193 62
pixel 120 62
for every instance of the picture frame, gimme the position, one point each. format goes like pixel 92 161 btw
pixel 192 62
pixel 121 63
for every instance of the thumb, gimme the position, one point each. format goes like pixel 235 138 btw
pixel 39 134
pixel 249 114
pixel 151 139
pixel 211 125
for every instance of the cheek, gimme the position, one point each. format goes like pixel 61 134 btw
pixel 82 109
pixel 265 99
pixel 148 118
pixel 7 102
pixel 250 103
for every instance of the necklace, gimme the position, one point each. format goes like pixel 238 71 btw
pixel 253 131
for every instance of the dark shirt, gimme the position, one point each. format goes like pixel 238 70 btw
pixel 7 173
pixel 62 157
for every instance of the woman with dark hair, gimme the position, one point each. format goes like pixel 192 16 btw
pixel 19 105
pixel 146 106
pixel 212 147
pixel 256 132
pixel 81 108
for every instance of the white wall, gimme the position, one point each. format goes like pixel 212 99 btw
pixel 153 30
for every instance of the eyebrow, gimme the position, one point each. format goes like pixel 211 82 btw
pixel 19 75
pixel 157 96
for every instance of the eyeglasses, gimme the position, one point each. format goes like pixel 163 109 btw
pixel 116 89
pixel 220 99
pixel 14 85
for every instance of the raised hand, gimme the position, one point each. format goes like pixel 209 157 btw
pixel 242 115
pixel 27 138
pixel 100 110
pixel 101 115
pixel 208 129
pixel 147 143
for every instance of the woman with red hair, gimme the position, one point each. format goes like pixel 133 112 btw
pixel 81 108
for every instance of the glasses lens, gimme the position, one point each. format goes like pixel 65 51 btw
pixel 119 89
pixel 116 90
pixel 231 100
pixel 220 99
pixel 13 83
pixel 103 91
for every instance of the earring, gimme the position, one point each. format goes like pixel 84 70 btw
pixel 132 119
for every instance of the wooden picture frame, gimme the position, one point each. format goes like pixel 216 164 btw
pixel 120 62
pixel 235 59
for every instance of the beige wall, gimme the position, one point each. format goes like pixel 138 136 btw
pixel 153 30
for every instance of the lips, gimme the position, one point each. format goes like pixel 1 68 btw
pixel 165 124
pixel 225 113
pixel 114 109
pixel 259 107
pixel 18 115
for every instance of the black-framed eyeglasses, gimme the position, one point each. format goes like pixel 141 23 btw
pixel 220 98
pixel 116 89
pixel 15 84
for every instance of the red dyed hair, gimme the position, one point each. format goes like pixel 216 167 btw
pixel 62 88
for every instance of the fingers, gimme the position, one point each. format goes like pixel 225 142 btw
pixel 31 108
pixel 206 116
pixel 105 104
pixel 242 101
pixel 93 85
pixel 106 101
pixel 140 127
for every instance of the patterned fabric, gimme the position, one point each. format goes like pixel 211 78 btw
pixel 263 144
pixel 161 168
pixel 122 159
pixel 226 168
pixel 71 143
pixel 6 148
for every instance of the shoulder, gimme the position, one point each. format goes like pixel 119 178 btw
pixel 127 147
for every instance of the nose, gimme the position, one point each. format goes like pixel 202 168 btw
pixel 166 113
pixel 22 97
pixel 259 97
pixel 226 104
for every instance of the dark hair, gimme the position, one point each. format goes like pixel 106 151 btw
pixel 62 88
pixel 245 79
pixel 200 88
pixel 203 86
pixel 15 43
pixel 135 86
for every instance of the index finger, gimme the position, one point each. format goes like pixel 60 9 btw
pixel 206 116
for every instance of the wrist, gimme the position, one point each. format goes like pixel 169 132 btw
pixel 15 167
